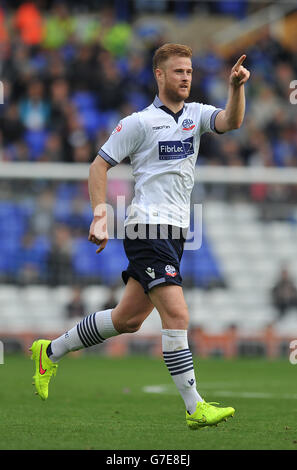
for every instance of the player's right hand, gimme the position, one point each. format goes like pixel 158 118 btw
pixel 239 74
pixel 98 232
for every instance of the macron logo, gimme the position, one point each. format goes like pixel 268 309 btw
pixel 151 272
pixel 175 149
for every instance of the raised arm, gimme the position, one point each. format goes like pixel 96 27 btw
pixel 232 116
pixel 97 190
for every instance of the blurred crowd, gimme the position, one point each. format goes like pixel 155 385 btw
pixel 69 78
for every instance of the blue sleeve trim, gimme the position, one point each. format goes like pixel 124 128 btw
pixel 107 158
pixel 157 102
pixel 213 119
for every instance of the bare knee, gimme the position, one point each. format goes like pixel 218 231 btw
pixel 171 305
pixel 132 325
pixel 127 324
pixel 175 320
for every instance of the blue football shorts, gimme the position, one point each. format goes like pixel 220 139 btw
pixel 154 253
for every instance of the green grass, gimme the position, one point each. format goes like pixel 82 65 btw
pixel 99 403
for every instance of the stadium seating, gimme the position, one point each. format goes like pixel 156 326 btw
pixel 228 280
pixel 251 253
pixel 239 249
pixel 36 141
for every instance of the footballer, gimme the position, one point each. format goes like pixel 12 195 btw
pixel 162 142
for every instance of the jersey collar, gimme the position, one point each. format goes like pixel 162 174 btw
pixel 158 104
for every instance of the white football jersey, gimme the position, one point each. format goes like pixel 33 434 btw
pixel 163 149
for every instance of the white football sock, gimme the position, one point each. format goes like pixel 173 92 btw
pixel 93 329
pixel 179 361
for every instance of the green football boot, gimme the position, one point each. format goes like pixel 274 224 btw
pixel 207 414
pixel 44 367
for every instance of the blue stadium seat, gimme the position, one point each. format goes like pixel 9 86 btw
pixel 200 267
pixel 186 266
pixel 66 191
pixel 84 100
pixel 13 255
pixel 9 255
pixel 13 220
pixel 206 268
pixel 35 255
pixel 36 140
pixel 85 261
pixel 65 213
pixel 237 8
pixel 95 120
pixel 92 121
pixel 87 215
pixel 113 261
pixel 137 99
pixel 62 210
pixel 3 262
pixel 108 265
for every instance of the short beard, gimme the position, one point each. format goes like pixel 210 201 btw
pixel 173 96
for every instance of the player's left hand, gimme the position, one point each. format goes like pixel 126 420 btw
pixel 98 232
pixel 239 74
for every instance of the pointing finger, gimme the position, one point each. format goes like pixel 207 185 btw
pixel 239 62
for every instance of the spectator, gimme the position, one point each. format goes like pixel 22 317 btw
pixel 65 94
pixel 116 74
pixel 54 151
pixel 59 262
pixel 82 68
pixel 59 26
pixel 59 96
pixel 83 153
pixel 111 300
pixel 113 35
pixel 110 86
pixel 42 218
pixel 32 259
pixel 17 152
pixel 3 29
pixel 76 308
pixel 270 104
pixel 74 134
pixel 278 204
pixel 29 22
pixel 34 109
pixel 12 127
pixel 284 293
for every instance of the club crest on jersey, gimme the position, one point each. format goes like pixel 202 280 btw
pixel 118 128
pixel 170 270
pixel 188 125
pixel 174 149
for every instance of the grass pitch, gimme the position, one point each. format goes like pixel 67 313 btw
pixel 131 403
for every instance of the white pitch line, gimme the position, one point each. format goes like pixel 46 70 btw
pixel 171 390
pixel 228 393
pixel 165 389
